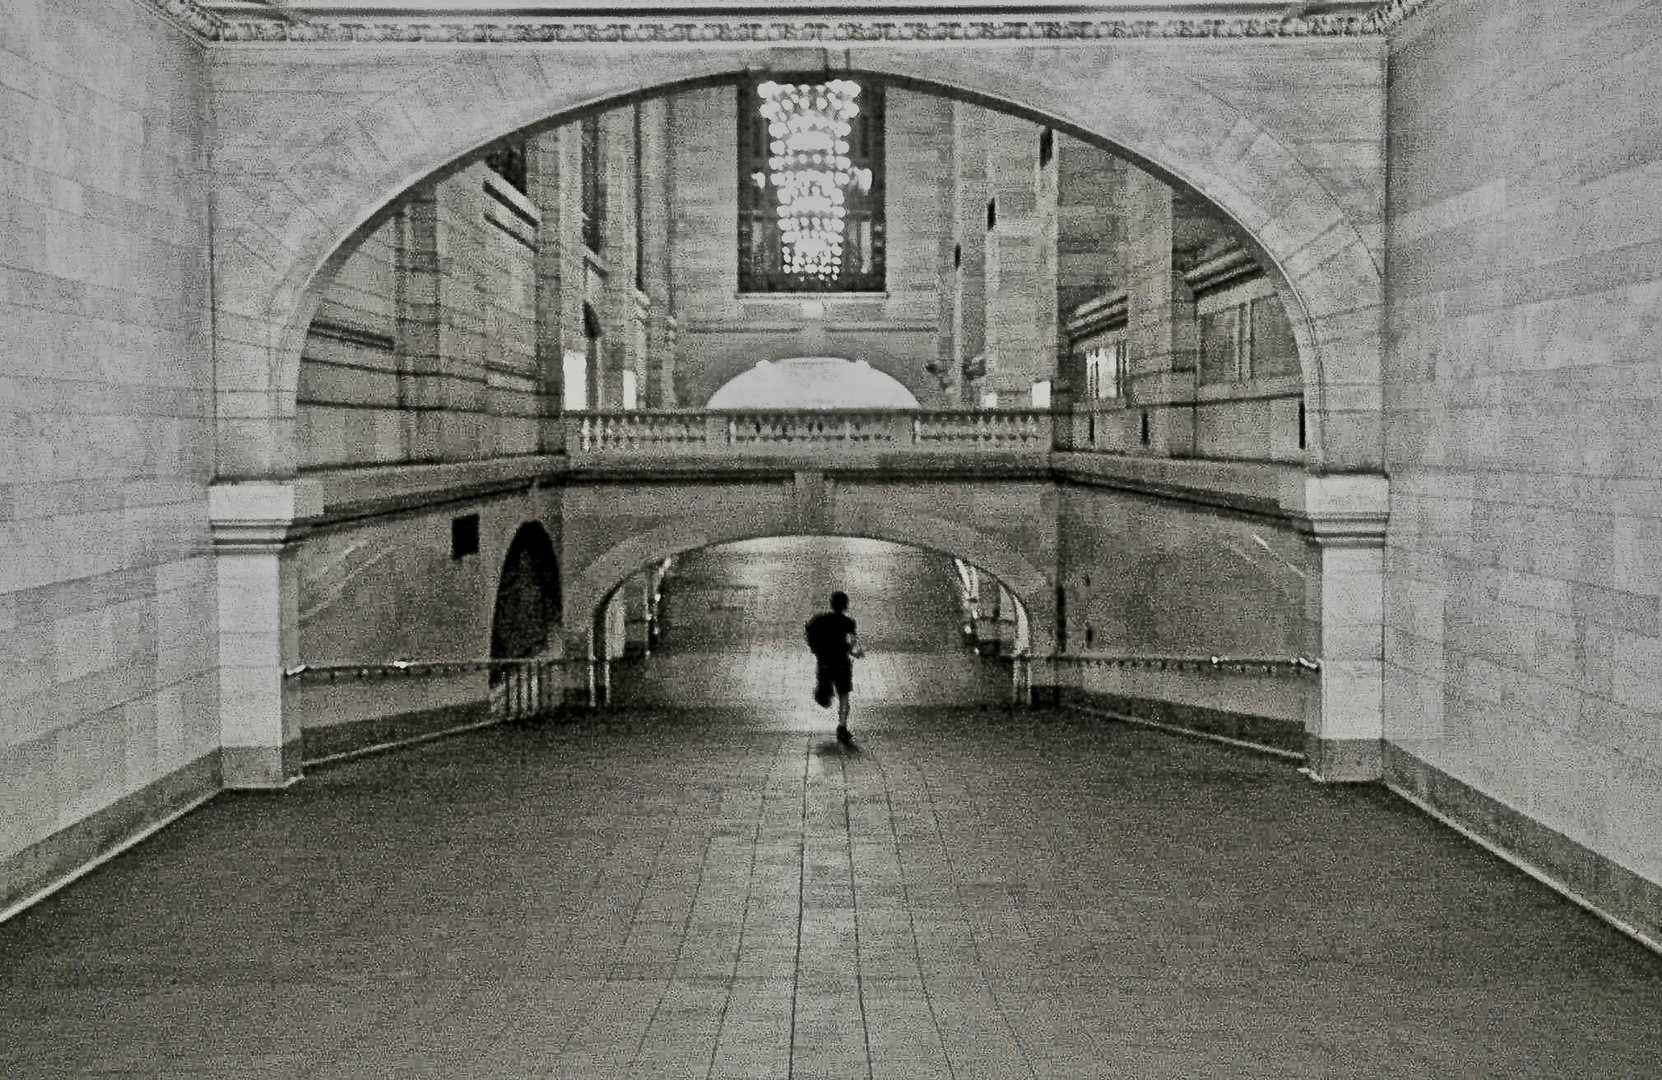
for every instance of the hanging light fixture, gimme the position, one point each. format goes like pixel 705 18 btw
pixel 809 167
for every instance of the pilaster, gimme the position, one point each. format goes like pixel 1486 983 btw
pixel 620 312
pixel 1346 516
pixel 1020 278
pixel 969 202
pixel 653 172
pixel 253 537
pixel 1163 350
pixel 544 175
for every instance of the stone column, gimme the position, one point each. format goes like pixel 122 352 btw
pixel 1020 276
pixel 1346 517
pixel 1163 345
pixel 258 630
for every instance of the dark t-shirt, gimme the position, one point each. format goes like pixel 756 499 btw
pixel 828 636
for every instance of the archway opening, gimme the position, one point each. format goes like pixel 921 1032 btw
pixel 724 625
pixel 812 382
pixel 526 615
pixel 1238 344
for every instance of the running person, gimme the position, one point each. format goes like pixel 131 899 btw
pixel 835 644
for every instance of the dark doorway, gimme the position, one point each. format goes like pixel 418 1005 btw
pixel 528 597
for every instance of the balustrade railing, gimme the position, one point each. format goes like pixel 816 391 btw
pixel 772 431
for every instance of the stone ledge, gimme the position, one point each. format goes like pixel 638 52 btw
pixel 48 864
pixel 1610 890
pixel 333 740
pixel 330 495
pixel 1343 761
pixel 1254 487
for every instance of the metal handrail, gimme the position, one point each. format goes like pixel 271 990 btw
pixel 1301 666
pixel 420 667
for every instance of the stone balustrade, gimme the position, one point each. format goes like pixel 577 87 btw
pixel 643 434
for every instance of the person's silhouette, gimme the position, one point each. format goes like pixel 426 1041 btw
pixel 834 643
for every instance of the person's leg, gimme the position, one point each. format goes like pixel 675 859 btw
pixel 845 686
pixel 822 687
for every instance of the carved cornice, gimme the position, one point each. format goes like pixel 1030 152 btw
pixel 196 20
pixel 211 27
pixel 842 32
pixel 1388 16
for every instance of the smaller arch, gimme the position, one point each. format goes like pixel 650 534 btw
pixel 812 382
pixel 988 591
pixel 1031 587
pixel 527 611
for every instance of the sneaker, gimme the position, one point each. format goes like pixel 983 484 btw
pixel 844 736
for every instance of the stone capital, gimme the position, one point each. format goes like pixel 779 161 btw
pixel 258 514
pixel 1341 509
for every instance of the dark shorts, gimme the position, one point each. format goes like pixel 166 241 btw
pixel 838 677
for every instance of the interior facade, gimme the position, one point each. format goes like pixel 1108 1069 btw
pixel 1277 373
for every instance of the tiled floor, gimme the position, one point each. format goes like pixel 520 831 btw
pixel 968 894
pixel 724 892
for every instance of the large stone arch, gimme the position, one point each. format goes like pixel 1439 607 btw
pixel 312 144
pixel 589 587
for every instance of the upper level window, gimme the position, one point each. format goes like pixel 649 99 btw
pixel 508 162
pixel 594 184
pixel 1105 371
pixel 1244 334
pixel 810 185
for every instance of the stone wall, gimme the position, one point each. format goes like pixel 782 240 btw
pixel 392 587
pixel 1145 575
pixel 107 601
pixel 424 346
pixel 1523 649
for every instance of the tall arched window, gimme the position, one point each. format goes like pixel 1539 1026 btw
pixel 810 185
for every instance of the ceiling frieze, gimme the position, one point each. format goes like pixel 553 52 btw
pixel 212 27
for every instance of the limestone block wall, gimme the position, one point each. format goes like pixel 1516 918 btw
pixel 1142 576
pixel 424 346
pixel 349 399
pixel 1147 575
pixel 722 334
pixel 392 588
pixel 108 692
pixel 1523 641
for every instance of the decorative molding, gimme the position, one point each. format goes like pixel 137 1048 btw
pixel 195 19
pixel 773 32
pixel 208 26
pixel 1388 16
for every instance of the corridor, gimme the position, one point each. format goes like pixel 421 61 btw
pixel 732 618
pixel 720 891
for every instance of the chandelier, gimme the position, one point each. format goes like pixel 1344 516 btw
pixel 809 168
